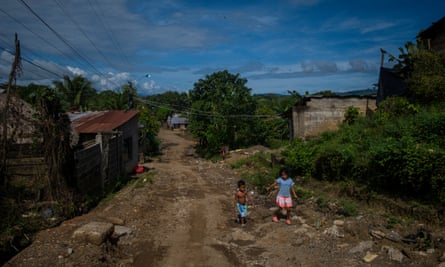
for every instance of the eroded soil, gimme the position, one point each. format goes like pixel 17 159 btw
pixel 184 217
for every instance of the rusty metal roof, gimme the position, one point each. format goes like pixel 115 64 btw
pixel 100 121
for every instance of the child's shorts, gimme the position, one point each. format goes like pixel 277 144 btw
pixel 242 209
pixel 284 202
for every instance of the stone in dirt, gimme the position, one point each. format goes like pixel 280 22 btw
pixel 333 231
pixel 94 232
pixel 121 231
pixel 115 220
pixel 394 254
pixel 377 234
pixel 362 246
pixel 370 257
pixel 339 222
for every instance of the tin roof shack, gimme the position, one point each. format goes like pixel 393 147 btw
pixel 317 114
pixel 107 147
pixel 177 122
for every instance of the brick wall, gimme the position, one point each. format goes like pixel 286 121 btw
pixel 318 115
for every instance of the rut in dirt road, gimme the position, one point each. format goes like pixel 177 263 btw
pixel 193 211
pixel 180 213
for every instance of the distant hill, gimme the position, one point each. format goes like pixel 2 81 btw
pixel 270 95
pixel 364 92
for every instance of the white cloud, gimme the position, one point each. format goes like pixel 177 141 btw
pixel 76 71
pixel 381 25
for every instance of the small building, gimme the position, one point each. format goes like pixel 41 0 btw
pixel 434 36
pixel 317 114
pixel 177 122
pixel 107 146
pixel 390 84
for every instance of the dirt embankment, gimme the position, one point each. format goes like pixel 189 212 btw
pixel 180 213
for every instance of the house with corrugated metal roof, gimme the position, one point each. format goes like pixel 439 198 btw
pixel 177 122
pixel 107 146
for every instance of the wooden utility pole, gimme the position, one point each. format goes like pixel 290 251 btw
pixel 16 69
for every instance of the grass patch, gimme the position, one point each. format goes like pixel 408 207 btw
pixel 348 208
pixel 144 179
pixel 322 203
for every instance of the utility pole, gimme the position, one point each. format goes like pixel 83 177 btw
pixel 16 69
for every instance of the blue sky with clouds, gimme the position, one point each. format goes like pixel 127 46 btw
pixel 277 45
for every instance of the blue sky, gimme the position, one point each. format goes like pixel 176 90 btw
pixel 277 45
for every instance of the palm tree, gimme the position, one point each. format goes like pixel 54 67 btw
pixel 75 93
pixel 112 100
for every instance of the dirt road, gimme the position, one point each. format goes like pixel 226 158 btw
pixel 184 217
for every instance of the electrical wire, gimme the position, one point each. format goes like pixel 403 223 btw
pixel 60 4
pixel 208 114
pixel 39 36
pixel 109 32
pixel 32 63
pixel 65 41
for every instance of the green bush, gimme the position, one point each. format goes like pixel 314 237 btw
pixel 399 152
pixel 348 208
pixel 300 157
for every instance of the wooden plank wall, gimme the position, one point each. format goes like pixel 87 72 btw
pixel 25 160
pixel 87 168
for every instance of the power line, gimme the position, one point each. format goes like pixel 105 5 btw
pixel 65 41
pixel 209 114
pixel 34 64
pixel 39 36
pixel 81 30
pixel 109 32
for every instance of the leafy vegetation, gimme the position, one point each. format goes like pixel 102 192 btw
pixel 399 151
pixel 223 113
pixel 76 93
pixel 256 170
pixel 396 156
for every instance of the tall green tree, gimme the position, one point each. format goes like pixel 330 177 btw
pixel 76 93
pixel 223 112
pixel 424 72
pixel 169 103
pixel 148 132
pixel 112 100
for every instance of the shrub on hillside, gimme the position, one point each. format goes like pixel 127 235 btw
pixel 400 153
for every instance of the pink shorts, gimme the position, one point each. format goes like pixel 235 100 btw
pixel 284 202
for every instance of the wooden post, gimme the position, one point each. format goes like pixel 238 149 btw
pixel 15 70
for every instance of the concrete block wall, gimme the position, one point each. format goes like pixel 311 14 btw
pixel 326 113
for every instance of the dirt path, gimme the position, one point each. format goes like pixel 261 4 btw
pixel 193 208
pixel 184 218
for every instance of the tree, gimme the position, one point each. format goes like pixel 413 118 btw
pixel 148 131
pixel 351 115
pixel 75 93
pixel 423 70
pixel 274 126
pixel 223 112
pixel 426 82
pixel 112 100
pixel 168 103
